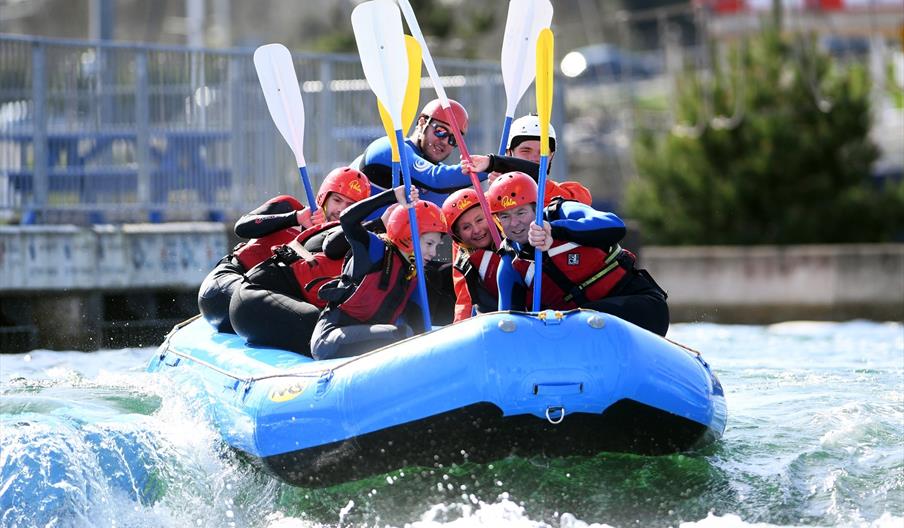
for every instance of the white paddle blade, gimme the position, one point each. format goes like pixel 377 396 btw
pixel 381 44
pixel 276 73
pixel 525 20
pixel 428 59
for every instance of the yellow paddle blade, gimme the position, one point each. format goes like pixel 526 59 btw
pixel 390 132
pixel 544 86
pixel 413 88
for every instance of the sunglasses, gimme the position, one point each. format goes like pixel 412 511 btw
pixel 441 132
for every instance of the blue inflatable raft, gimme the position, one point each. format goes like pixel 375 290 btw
pixel 556 384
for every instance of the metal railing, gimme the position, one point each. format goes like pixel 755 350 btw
pixel 110 132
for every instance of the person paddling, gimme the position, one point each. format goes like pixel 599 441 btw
pixel 276 302
pixel 474 261
pixel 431 142
pixel 278 221
pixel 584 266
pixel 367 302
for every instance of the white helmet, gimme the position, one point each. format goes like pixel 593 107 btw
pixel 526 128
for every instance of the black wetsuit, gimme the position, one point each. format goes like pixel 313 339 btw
pixel 217 288
pixel 339 335
pixel 268 307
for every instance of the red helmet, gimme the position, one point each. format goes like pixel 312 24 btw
pixel 348 182
pixel 291 200
pixel 435 110
pixel 457 203
pixel 511 190
pixel 429 220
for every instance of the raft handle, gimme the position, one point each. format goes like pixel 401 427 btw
pixel 555 408
pixel 557 389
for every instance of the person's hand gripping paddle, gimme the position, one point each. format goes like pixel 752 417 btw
pixel 544 112
pixel 409 106
pixel 381 46
pixel 522 26
pixel 279 83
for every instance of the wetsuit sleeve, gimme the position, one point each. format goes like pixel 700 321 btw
pixel 336 246
pixel 576 222
pixel 268 218
pixel 376 164
pixel 505 164
pixel 439 178
pixel 367 248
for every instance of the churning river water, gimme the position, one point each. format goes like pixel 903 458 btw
pixel 815 437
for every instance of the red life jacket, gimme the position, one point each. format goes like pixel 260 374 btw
pixel 479 267
pixel 312 275
pixel 381 296
pixel 572 275
pixel 313 270
pixel 314 230
pixel 258 250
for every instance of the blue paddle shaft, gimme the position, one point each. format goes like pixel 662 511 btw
pixel 538 254
pixel 415 236
pixel 506 130
pixel 309 192
pixel 396 169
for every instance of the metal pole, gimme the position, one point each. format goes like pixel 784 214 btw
pixel 39 138
pixel 142 127
pixel 488 105
pixel 558 122
pixel 194 15
pixel 102 19
pixel 326 146
pixel 222 23
pixel 238 155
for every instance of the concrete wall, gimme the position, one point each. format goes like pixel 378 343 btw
pixel 81 275
pixel 69 258
pixel 64 287
pixel 775 283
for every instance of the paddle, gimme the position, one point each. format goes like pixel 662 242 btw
pixel 409 106
pixel 525 20
pixel 544 112
pixel 381 45
pixel 279 83
pixel 444 102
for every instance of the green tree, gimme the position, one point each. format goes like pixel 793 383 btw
pixel 795 169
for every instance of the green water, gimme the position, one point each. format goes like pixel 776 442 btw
pixel 815 437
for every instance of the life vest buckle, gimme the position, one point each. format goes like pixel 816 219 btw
pixel 285 254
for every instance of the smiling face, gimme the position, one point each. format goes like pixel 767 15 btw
pixel 472 229
pixel 515 222
pixel 435 149
pixel 334 204
pixel 529 150
pixel 429 242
